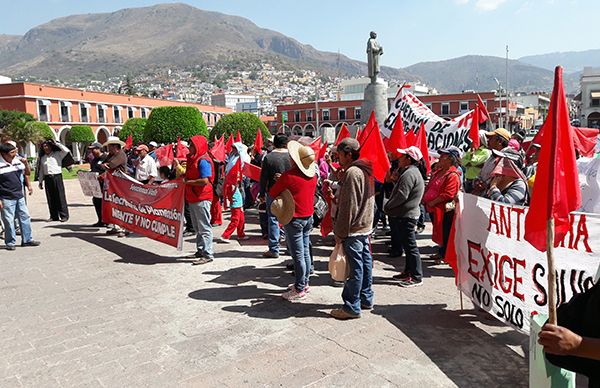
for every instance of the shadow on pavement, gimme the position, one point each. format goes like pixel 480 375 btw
pixel 469 356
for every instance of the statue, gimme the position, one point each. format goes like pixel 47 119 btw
pixel 374 50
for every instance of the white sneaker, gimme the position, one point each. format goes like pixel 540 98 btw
pixel 293 295
pixel 224 239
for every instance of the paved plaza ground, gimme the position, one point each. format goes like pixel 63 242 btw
pixel 86 309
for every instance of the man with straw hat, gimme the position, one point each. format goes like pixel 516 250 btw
pixel 353 225
pixel 115 161
pixel 297 187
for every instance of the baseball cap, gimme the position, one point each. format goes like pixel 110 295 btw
pixel 153 144
pixel 348 144
pixel 452 151
pixel 95 145
pixel 412 151
pixel 499 132
pixel 142 147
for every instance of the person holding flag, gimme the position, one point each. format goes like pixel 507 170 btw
pixel 232 189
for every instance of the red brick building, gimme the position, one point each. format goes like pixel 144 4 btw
pixel 105 113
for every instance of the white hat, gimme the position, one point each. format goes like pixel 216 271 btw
pixel 412 151
pixel 303 156
pixel 153 144
pixel 114 140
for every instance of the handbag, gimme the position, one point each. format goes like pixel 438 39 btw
pixel 338 264
pixel 321 207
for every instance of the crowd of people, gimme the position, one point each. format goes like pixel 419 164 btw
pixel 296 192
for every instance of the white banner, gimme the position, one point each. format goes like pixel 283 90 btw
pixel 506 276
pixel 589 180
pixel 89 183
pixel 441 133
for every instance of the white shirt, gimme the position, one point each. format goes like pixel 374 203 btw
pixel 146 168
pixel 51 164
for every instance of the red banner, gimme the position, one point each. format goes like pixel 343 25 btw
pixel 154 211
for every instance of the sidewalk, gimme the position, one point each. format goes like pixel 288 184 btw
pixel 86 309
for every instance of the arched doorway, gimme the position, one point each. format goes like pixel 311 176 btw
pixel 297 130
pixel 102 135
pixel 593 120
pixel 309 130
pixel 116 131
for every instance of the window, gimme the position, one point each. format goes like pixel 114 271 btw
pixel 296 116
pixel 143 113
pixel 130 112
pixel 101 113
pixel 309 115
pixel 445 108
pixel 84 112
pixel 464 106
pixel 43 111
pixel 342 114
pixel 117 113
pixel 595 102
pixel 325 114
pixel 357 113
pixel 65 111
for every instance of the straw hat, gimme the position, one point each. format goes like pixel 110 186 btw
pixel 303 156
pixel 114 140
pixel 283 207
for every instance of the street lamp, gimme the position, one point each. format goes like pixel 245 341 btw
pixel 500 97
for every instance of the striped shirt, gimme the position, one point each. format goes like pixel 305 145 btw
pixel 11 179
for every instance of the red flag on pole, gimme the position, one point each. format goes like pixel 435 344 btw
pixel 397 138
pixel 422 144
pixel 372 149
pixel 181 150
pixel 344 133
pixel 474 130
pixel 129 142
pixel 238 137
pixel 218 149
pixel 359 135
pixel 229 144
pixel 322 151
pixel 164 155
pixel 484 115
pixel 232 178
pixel 316 145
pixel 251 171
pixel 258 142
pixel 411 138
pixel 556 191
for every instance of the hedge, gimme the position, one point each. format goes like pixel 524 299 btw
pixel 81 134
pixel 246 123
pixel 134 127
pixel 166 123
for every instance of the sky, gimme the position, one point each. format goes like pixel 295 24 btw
pixel 410 31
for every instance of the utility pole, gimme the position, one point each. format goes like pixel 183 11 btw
pixel 316 108
pixel 507 98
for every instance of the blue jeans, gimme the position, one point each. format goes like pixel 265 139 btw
pixel 403 233
pixel 357 288
pixel 200 212
pixel 10 208
pixel 298 242
pixel 272 228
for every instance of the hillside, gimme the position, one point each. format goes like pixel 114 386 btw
pixel 571 61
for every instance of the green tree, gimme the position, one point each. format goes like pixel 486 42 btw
pixel 23 132
pixel 45 130
pixel 9 116
pixel 246 123
pixel 134 127
pixel 166 123
pixel 82 135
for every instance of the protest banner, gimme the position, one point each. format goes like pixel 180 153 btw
pixel 589 181
pixel 504 274
pixel 154 211
pixel 89 183
pixel 441 133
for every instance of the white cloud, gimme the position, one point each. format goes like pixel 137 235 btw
pixel 488 5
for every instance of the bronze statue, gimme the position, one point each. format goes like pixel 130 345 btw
pixel 374 50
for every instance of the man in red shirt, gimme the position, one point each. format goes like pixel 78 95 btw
pixel 301 182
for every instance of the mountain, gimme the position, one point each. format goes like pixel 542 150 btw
pixel 478 72
pixel 571 61
pixel 7 41
pixel 131 40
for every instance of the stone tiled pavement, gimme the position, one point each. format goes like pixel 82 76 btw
pixel 86 309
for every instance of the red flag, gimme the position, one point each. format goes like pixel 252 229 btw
pixel 359 135
pixel 316 145
pixel 474 130
pixel 322 151
pixel 372 149
pixel 251 171
pixel 411 138
pixel 238 137
pixel 218 149
pixel 397 138
pixel 164 155
pixel 232 178
pixel 556 191
pixel 344 133
pixel 585 140
pixel 229 144
pixel 422 144
pixel 484 115
pixel 129 142
pixel 258 142
pixel 181 150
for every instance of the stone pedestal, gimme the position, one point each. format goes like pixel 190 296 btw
pixel 375 101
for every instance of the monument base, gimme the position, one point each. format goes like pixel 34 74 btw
pixel 375 100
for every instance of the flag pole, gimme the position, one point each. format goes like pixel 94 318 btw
pixel 551 272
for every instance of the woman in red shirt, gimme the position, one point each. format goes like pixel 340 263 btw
pixel 301 182
pixel 440 194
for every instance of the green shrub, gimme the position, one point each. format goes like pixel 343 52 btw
pixel 46 132
pixel 7 117
pixel 134 127
pixel 166 123
pixel 246 123
pixel 81 134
